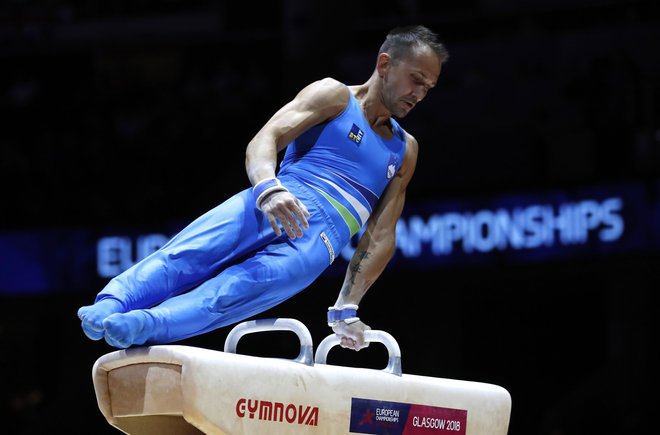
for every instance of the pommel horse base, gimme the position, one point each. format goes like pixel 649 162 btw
pixel 173 389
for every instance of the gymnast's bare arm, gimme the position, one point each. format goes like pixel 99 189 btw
pixel 318 102
pixel 375 249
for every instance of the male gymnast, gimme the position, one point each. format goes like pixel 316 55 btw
pixel 347 164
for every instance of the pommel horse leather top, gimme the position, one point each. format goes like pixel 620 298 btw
pixel 173 389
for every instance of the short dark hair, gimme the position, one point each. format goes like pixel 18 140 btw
pixel 401 40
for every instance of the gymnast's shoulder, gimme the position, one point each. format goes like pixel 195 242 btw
pixel 327 94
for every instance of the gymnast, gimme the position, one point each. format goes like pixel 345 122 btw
pixel 347 164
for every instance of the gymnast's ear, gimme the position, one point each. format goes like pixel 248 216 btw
pixel 383 64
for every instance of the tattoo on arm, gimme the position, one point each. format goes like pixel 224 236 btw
pixel 356 267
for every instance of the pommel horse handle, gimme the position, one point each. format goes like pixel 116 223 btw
pixel 306 355
pixel 393 363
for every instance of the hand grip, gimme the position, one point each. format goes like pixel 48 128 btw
pixel 393 363
pixel 306 348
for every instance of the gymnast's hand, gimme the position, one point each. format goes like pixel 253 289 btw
pixel 284 207
pixel 351 335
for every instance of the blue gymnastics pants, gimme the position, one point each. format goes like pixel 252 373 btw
pixel 225 266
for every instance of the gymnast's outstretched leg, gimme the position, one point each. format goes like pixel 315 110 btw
pixel 278 272
pixel 206 246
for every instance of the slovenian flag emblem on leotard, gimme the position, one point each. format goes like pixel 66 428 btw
pixel 355 134
pixel 392 166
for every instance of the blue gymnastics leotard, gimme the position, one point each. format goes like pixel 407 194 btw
pixel 229 264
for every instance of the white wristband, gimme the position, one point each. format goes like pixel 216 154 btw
pixel 265 187
pixel 345 313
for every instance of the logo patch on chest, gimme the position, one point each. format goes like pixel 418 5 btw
pixel 355 134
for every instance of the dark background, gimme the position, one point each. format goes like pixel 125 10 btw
pixel 138 112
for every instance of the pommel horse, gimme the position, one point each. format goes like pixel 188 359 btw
pixel 174 389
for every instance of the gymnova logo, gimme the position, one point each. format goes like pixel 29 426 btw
pixel 277 411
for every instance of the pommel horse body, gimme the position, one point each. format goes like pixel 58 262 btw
pixel 174 389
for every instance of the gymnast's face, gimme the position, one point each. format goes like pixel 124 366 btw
pixel 407 81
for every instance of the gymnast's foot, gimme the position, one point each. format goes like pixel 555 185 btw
pixel 123 330
pixel 92 316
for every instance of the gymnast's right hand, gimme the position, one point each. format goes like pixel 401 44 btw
pixel 285 208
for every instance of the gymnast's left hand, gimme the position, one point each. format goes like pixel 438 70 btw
pixel 289 211
pixel 351 335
